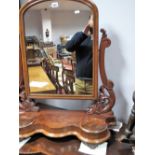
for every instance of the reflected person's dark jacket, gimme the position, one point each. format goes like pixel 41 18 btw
pixel 82 44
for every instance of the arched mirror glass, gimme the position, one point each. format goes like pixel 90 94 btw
pixel 59 49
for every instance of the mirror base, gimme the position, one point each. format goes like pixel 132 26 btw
pixel 62 123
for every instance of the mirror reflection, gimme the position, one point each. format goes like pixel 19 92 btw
pixel 59 48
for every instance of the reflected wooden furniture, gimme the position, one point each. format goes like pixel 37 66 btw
pixel 52 72
pixel 32 41
pixel 37 74
pixel 68 63
pixel 68 74
pixel 47 44
pixel 34 57
pixel 33 53
pixel 68 79
pixel 34 62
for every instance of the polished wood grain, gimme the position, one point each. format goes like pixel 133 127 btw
pixel 107 85
pixel 44 145
pixel 68 146
pixel 61 123
pixel 37 74
pixel 94 95
pixel 21 78
pixel 106 98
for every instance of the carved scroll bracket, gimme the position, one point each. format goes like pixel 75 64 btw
pixel 26 104
pixel 106 99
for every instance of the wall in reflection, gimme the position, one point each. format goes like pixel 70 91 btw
pixel 34 25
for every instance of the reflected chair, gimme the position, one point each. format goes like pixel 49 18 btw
pixel 68 75
pixel 68 80
pixel 68 64
pixel 45 64
pixel 52 72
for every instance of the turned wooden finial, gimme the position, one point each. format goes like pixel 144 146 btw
pixel 104 34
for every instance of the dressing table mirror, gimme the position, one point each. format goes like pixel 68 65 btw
pixel 59 52
pixel 59 59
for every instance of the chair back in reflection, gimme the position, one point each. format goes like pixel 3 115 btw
pixel 68 63
pixel 68 80
pixel 52 72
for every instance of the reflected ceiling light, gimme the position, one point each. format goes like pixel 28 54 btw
pixel 77 11
pixel 54 5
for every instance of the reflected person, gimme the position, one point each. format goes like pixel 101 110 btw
pixel 81 43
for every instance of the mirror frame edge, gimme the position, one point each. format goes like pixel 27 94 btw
pixel 94 96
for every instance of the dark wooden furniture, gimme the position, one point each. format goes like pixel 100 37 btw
pixel 34 62
pixel 127 134
pixel 67 146
pixel 117 148
pixel 33 53
pixel 67 63
pixel 46 44
pixel 34 57
pixel 63 123
pixel 32 41
pixel 43 145
pixel 54 123
pixel 52 72
pixel 68 80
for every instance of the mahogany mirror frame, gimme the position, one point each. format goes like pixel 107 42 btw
pixel 101 109
pixel 94 95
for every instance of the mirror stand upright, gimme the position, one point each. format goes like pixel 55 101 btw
pixel 89 126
